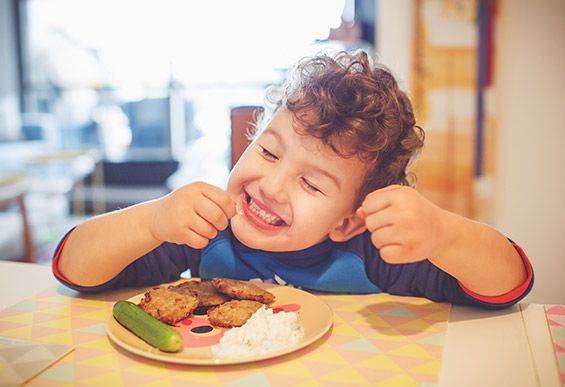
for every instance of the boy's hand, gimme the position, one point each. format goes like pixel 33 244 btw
pixel 404 226
pixel 192 215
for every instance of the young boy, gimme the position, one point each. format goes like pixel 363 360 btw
pixel 319 200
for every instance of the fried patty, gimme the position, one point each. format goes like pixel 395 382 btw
pixel 233 313
pixel 167 305
pixel 203 290
pixel 242 290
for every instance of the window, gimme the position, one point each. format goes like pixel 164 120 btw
pixel 143 79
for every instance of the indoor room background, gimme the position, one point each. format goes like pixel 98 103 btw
pixel 104 104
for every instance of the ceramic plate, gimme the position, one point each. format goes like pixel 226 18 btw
pixel 314 315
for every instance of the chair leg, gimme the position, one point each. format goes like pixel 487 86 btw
pixel 29 245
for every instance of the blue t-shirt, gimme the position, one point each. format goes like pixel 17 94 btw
pixel 354 266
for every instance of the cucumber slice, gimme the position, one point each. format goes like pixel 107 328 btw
pixel 147 327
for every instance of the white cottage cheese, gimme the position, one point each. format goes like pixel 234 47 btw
pixel 263 333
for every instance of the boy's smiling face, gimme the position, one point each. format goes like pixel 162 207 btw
pixel 293 190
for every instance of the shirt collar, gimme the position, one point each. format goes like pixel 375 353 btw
pixel 301 258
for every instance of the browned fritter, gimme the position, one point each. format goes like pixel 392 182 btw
pixel 167 305
pixel 233 313
pixel 243 290
pixel 203 290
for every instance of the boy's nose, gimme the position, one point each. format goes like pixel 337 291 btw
pixel 274 186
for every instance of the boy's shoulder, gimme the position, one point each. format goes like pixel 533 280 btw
pixel 360 245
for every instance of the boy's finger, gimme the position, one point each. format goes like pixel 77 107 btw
pixel 395 254
pixel 399 254
pixel 210 212
pixel 203 227
pixel 361 213
pixel 221 198
pixel 385 236
pixel 378 200
pixel 194 240
pixel 383 218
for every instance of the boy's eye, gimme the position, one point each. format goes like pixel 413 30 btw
pixel 309 186
pixel 268 155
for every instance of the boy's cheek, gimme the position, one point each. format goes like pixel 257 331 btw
pixel 231 187
pixel 234 195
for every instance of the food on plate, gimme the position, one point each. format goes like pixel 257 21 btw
pixel 242 290
pixel 167 305
pixel 264 332
pixel 232 301
pixel 203 290
pixel 253 328
pixel 233 313
pixel 146 327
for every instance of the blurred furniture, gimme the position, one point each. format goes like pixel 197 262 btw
pixel 63 172
pixel 160 126
pixel 150 123
pixel 12 192
pixel 243 119
pixel 123 184
pixel 36 183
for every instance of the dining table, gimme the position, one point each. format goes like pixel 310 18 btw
pixel 373 340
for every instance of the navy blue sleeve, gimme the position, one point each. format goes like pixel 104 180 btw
pixel 420 279
pixel 163 264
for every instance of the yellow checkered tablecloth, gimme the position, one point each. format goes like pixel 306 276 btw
pixel 375 340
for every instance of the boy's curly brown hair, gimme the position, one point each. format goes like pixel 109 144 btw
pixel 358 110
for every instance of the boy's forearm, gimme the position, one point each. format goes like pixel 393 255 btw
pixel 481 258
pixel 126 236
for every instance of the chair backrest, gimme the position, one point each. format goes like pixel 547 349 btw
pixel 243 119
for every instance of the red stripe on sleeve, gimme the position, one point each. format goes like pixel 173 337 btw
pixel 513 294
pixel 54 264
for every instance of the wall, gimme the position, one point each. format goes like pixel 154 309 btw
pixel 530 105
pixel 394 28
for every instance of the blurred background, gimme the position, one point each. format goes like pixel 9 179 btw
pixel 104 104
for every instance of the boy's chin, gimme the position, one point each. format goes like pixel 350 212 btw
pixel 244 234
pixel 247 238
pixel 258 241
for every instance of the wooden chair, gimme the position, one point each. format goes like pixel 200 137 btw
pixel 12 194
pixel 243 119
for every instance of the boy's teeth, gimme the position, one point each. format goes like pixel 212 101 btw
pixel 268 218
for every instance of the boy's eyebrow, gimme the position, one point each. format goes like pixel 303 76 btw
pixel 315 168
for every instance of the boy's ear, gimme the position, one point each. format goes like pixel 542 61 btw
pixel 348 228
